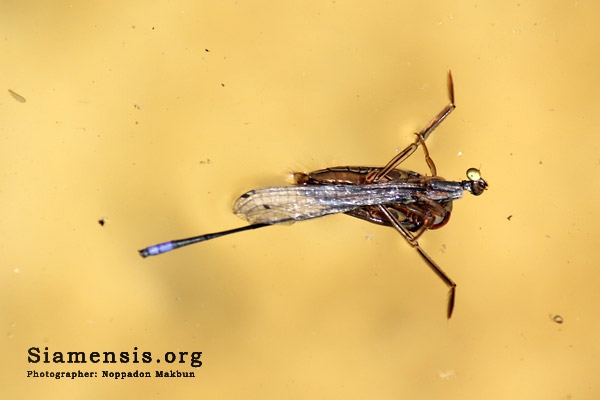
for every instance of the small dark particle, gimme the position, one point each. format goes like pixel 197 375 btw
pixel 509 217
pixel 102 221
pixel 222 84
pixel 207 50
pixel 556 318
pixel 17 96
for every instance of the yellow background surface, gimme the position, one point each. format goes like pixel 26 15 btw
pixel 157 115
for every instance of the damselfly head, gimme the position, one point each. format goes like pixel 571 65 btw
pixel 477 184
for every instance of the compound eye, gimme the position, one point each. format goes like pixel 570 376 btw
pixel 473 174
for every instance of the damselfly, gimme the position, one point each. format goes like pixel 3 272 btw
pixel 409 202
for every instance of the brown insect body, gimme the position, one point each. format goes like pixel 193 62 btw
pixel 413 216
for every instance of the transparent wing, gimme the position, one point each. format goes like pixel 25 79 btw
pixel 287 204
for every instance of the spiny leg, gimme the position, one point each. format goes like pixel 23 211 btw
pixel 421 136
pixel 432 264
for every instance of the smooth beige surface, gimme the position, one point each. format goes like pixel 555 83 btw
pixel 157 115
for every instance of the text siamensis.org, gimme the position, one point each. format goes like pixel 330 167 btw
pixel 35 355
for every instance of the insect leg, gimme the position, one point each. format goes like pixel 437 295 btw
pixel 423 134
pixel 428 159
pixel 432 264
